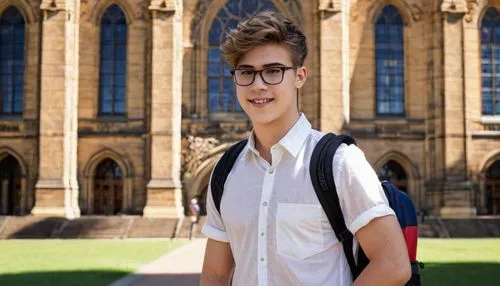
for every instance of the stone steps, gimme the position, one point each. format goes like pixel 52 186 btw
pixel 118 227
pixel 29 227
pixel 152 227
pixel 96 227
pixel 86 227
pixel 471 228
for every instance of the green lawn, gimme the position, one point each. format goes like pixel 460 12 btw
pixel 75 262
pixel 98 262
pixel 460 261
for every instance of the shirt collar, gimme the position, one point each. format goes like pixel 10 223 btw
pixel 250 148
pixel 295 138
pixel 292 141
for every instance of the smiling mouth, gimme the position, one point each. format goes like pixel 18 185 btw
pixel 261 101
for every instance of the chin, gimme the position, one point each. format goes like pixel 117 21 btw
pixel 264 119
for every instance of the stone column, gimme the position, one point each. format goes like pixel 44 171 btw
pixel 457 189
pixel 57 186
pixel 334 64
pixel 164 196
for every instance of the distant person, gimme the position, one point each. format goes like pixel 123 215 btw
pixel 194 215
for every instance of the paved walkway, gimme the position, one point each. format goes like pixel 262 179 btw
pixel 181 267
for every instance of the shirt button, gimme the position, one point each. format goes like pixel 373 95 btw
pixel 262 259
pixel 264 204
pixel 261 234
pixel 271 170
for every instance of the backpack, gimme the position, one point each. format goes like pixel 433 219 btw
pixel 321 173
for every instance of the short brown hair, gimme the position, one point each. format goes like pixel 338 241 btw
pixel 265 27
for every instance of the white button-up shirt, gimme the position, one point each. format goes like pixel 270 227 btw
pixel 273 220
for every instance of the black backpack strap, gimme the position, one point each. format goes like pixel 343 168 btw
pixel 322 179
pixel 222 170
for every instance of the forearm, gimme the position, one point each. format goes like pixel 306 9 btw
pixel 218 265
pixel 214 279
pixel 380 273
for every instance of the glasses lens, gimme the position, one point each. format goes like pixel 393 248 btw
pixel 244 77
pixel 272 75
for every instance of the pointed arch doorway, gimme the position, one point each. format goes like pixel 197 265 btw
pixel 108 188
pixel 10 186
pixel 492 185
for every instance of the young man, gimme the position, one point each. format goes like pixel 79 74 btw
pixel 271 229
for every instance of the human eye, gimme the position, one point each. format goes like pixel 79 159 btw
pixel 273 70
pixel 246 72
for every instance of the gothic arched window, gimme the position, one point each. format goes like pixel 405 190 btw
pixel 11 62
pixel 490 62
pixel 389 55
pixel 113 62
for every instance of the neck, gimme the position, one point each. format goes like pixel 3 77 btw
pixel 267 135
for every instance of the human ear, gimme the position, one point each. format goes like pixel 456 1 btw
pixel 300 77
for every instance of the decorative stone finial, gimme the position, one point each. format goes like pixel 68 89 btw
pixel 454 6
pixel 52 5
pixel 162 5
pixel 330 5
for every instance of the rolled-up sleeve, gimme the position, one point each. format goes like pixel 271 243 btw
pixel 361 195
pixel 214 226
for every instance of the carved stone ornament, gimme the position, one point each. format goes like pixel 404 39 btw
pixel 53 5
pixel 491 127
pixel 142 11
pixel 362 8
pixel 195 150
pixel 454 6
pixel 471 7
pixel 416 12
pixel 10 126
pixel 330 5
pixel 202 6
pixel 162 5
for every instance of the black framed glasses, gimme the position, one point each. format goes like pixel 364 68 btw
pixel 271 76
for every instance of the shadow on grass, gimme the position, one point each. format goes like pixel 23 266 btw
pixel 463 273
pixel 177 279
pixel 434 274
pixel 97 278
pixel 59 278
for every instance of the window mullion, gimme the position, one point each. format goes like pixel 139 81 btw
pixel 221 87
pixel 1 74
pixel 493 69
pixel 12 70
pixel 493 73
pixel 494 76
pixel 221 92
pixel 113 71
pixel 389 70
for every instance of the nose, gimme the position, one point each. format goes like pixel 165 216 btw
pixel 259 84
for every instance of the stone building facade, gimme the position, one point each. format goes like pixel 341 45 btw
pixel 123 106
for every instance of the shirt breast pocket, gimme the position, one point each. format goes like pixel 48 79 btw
pixel 302 230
